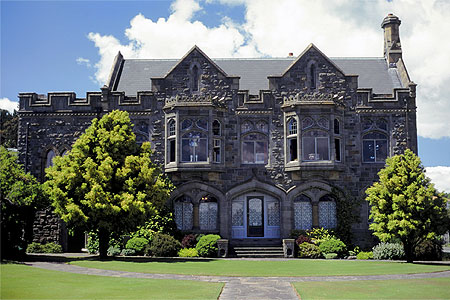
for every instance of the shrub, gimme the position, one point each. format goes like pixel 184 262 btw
pixel 148 250
pixel 428 250
pixel 307 250
pixel 188 252
pixel 189 241
pixel 295 233
pixel 92 242
pixel 388 251
pixel 303 239
pixel 46 248
pixel 143 232
pixel 35 248
pixel 332 245
pixel 199 236
pixel 365 255
pixel 330 255
pixel 207 245
pixel 113 250
pixel 164 245
pixel 137 244
pixel 320 234
pixel 52 248
pixel 128 252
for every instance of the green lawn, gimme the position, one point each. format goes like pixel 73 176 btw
pixel 294 267
pixel 433 288
pixel 24 282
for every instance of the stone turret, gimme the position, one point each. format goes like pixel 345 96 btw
pixel 392 46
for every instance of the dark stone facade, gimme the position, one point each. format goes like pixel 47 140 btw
pixel 313 91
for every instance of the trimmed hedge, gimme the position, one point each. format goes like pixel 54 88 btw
pixel 44 248
pixel 332 245
pixel 364 255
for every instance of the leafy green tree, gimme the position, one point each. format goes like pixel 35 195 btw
pixel 405 205
pixel 20 197
pixel 9 124
pixel 107 183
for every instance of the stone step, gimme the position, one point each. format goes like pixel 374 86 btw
pixel 257 251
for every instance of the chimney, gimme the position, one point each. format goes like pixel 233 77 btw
pixel 392 46
pixel 291 54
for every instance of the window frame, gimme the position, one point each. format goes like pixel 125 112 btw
pixel 316 138
pixel 264 140
pixel 292 139
pixel 374 145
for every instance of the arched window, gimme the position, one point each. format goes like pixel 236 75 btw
pixel 246 126
pixel 336 126
pixel 302 212
pixel 315 145
pixel 337 140
pixel 216 128
pixel 183 210
pixel 208 213
pixel 312 76
pixel 375 147
pixel 49 158
pixel 255 149
pixel 327 212
pixel 195 78
pixel 292 142
pixel 171 140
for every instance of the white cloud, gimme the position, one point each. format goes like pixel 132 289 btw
pixel 440 176
pixel 84 61
pixel 275 28
pixel 9 105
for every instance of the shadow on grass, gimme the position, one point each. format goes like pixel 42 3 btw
pixel 60 258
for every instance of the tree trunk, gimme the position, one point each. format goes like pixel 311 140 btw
pixel 103 243
pixel 409 251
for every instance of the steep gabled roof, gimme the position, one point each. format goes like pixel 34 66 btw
pixel 309 48
pixel 373 72
pixel 193 49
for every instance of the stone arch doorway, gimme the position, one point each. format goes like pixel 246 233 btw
pixel 255 215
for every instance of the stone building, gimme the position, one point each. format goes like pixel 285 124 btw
pixel 256 147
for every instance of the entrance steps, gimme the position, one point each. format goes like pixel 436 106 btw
pixel 259 251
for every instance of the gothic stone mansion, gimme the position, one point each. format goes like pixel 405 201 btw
pixel 256 147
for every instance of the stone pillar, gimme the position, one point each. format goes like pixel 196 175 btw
pixel 289 248
pixel 222 248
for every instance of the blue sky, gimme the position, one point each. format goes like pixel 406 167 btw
pixel 69 45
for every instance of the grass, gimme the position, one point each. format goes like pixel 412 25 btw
pixel 24 282
pixel 432 288
pixel 295 267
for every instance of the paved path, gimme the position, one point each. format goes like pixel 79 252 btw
pixel 236 287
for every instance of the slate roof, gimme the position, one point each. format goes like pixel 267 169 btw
pixel 373 72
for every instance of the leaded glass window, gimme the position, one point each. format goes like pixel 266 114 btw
pixel 307 123
pixel 327 212
pixel 302 213
pixel 186 124
pixel 183 210
pixel 273 213
pixel 49 159
pixel 208 214
pixel 237 213
pixel 246 126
